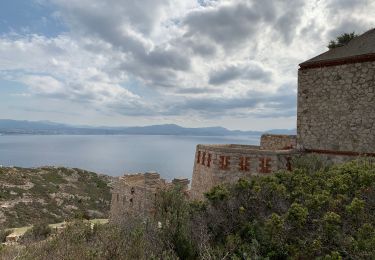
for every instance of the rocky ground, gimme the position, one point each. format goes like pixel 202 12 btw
pixel 51 195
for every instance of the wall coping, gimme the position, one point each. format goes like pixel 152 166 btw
pixel 245 149
pixel 333 152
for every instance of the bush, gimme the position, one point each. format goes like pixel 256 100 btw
pixel 322 214
pixel 3 234
pixel 38 232
pixel 342 40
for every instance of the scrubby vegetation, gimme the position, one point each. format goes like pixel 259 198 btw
pixel 39 231
pixel 3 234
pixel 51 195
pixel 325 213
pixel 342 40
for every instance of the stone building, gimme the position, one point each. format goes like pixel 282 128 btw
pixel 135 194
pixel 335 120
pixel 336 100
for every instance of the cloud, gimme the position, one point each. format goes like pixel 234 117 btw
pixel 336 5
pixel 228 25
pixel 44 85
pixel 207 58
pixel 250 72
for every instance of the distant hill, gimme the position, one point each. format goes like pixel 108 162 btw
pixel 51 195
pixel 12 127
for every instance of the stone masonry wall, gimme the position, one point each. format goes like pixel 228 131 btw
pixel 277 142
pixel 135 195
pixel 336 108
pixel 217 164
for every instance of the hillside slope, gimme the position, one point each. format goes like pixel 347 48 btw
pixel 51 194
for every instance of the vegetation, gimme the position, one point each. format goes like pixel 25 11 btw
pixel 342 40
pixel 38 232
pixel 51 195
pixel 3 235
pixel 325 213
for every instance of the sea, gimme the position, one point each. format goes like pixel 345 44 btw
pixel 115 155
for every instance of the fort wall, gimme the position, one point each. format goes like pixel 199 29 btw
pixel 278 142
pixel 217 164
pixel 336 106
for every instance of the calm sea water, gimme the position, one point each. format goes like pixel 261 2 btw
pixel 171 156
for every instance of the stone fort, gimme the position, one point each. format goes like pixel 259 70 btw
pixel 335 121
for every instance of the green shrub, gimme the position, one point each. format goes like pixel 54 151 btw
pixel 3 234
pixel 38 232
pixel 322 212
pixel 342 40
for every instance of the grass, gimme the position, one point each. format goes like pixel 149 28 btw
pixel 22 230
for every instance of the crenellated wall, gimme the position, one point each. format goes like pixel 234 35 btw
pixel 217 164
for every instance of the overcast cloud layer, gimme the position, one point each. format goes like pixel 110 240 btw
pixel 207 62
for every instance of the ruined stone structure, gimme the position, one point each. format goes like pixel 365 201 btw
pixel 335 120
pixel 135 194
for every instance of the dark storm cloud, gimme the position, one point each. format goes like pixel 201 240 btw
pixel 251 72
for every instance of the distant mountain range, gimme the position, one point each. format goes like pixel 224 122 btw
pixel 17 127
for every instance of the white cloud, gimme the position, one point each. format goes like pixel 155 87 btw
pixel 201 58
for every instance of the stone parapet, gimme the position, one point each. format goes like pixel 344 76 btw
pixel 217 164
pixel 278 142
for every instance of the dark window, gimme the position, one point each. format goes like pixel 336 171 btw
pixel 132 191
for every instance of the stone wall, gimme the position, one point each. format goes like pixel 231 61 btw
pixel 336 108
pixel 217 164
pixel 131 195
pixel 277 142
pixel 135 195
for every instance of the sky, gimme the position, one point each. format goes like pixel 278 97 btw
pixel 196 63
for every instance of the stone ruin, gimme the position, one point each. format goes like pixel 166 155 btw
pixel 335 121
pixel 135 194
